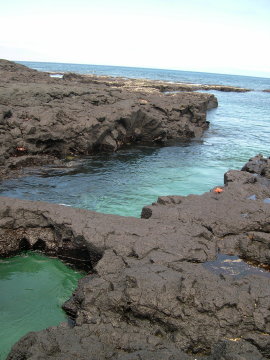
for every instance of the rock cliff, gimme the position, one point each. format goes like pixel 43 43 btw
pixel 156 287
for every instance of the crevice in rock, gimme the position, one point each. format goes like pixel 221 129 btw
pixel 79 258
pixel 24 245
pixel 39 245
pixel 52 240
pixel 255 263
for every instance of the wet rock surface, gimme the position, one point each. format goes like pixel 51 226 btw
pixel 47 118
pixel 150 292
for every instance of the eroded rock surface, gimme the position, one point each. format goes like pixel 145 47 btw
pixel 147 84
pixel 46 118
pixel 149 293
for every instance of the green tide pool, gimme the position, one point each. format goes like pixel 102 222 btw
pixel 32 289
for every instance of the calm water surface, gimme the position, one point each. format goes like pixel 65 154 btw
pixel 123 182
pixel 32 289
pixel 193 77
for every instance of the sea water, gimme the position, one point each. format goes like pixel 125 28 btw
pixel 192 77
pixel 123 182
pixel 32 289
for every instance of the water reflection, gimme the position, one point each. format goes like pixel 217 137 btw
pixel 234 266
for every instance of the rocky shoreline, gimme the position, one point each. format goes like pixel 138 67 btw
pixel 154 288
pixel 44 119
pixel 150 293
pixel 147 84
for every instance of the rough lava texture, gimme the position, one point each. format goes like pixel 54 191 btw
pixel 44 118
pixel 149 292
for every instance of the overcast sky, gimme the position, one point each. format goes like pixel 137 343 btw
pixel 223 36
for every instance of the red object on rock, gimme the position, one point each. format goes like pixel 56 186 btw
pixel 20 148
pixel 218 190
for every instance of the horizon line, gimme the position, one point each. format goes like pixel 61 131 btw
pixel 265 75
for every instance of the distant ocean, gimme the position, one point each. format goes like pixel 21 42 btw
pixel 123 182
pixel 256 83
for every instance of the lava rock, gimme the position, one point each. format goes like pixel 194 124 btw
pixel 79 115
pixel 150 292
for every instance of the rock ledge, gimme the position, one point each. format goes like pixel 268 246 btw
pixel 150 292
pixel 51 119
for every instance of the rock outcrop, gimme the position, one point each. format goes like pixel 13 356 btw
pixel 43 118
pixel 147 84
pixel 152 291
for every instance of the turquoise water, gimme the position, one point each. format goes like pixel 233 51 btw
pixel 32 289
pixel 123 182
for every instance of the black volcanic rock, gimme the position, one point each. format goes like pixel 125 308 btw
pixel 152 291
pixel 258 165
pixel 78 115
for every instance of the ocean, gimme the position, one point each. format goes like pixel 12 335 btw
pixel 192 77
pixel 123 182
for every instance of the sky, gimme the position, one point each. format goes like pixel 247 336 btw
pixel 219 36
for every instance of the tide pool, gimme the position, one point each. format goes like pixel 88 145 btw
pixel 33 288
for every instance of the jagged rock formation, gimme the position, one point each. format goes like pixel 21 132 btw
pixel 151 292
pixel 43 118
